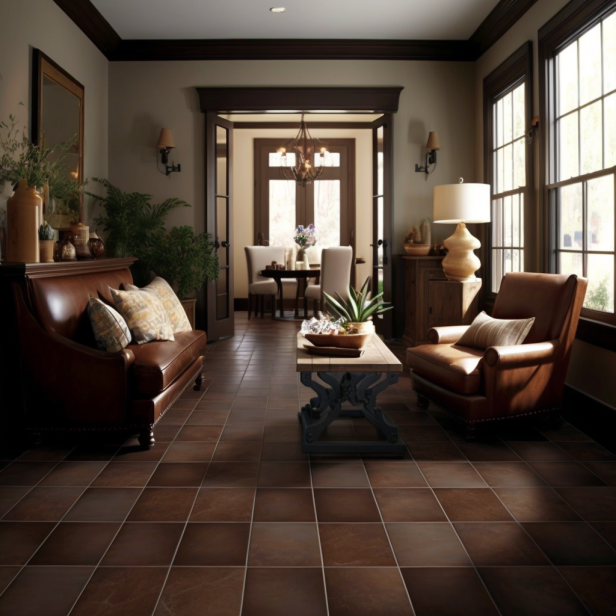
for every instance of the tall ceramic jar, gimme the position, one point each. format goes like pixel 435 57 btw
pixel 22 223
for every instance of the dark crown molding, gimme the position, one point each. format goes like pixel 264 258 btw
pixel 100 32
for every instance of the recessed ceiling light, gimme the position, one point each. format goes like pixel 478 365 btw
pixel 278 9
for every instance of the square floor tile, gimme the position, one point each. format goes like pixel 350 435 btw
pixel 207 418
pixel 588 451
pixel 532 591
pixel 471 505
pixel 141 544
pixel 284 475
pixel 488 450
pixel 284 544
pixel 451 475
pixel 25 473
pixel 339 475
pixel 132 591
pixel 281 592
pixel 202 591
pixel 441 452
pixel 366 592
pixel 189 451
pixel 605 470
pixel 206 434
pixel 540 451
pixel 427 544
pixel 508 474
pixel 163 505
pixel 19 540
pixel 345 505
pixel 44 504
pixel 231 475
pixel 355 545
pixel 223 505
pixel 563 474
pixel 284 505
pixel 607 530
pixel 76 543
pixel 242 432
pixel 213 545
pixel 125 474
pixel 595 586
pixel 10 496
pixel 409 505
pixel 178 475
pixel 593 504
pixel 237 451
pixel 103 505
pixel 536 505
pixel 394 474
pixel 499 544
pixel 447 591
pixel 73 474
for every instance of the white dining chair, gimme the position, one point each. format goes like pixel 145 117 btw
pixel 335 277
pixel 257 257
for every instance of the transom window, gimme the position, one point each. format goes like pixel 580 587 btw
pixel 582 178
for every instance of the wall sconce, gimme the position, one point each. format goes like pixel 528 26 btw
pixel 431 147
pixel 533 130
pixel 165 145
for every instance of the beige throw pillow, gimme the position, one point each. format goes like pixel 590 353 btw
pixel 110 329
pixel 175 311
pixel 485 332
pixel 144 314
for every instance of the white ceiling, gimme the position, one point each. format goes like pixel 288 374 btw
pixel 309 19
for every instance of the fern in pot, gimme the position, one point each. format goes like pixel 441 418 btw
pixel 358 309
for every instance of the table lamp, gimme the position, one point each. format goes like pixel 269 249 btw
pixel 461 203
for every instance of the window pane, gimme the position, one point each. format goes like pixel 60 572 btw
pixel 600 223
pixel 609 136
pixel 521 244
pixel 571 263
pixel 281 212
pixel 332 159
pixel 519 115
pixel 568 147
pixel 497 269
pixel 508 167
pixel 497 222
pixel 567 79
pixel 277 160
pixel 519 163
pixel 590 132
pixel 499 123
pixel 327 212
pixel 499 171
pixel 590 65
pixel 222 141
pixel 221 227
pixel 570 217
pixel 609 54
pixel 508 118
pixel 515 221
pixel 508 228
pixel 600 293
pixel 380 133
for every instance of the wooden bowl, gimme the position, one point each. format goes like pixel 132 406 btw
pixel 343 341
pixel 417 250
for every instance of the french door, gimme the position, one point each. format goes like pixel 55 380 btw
pixel 280 205
pixel 382 191
pixel 219 223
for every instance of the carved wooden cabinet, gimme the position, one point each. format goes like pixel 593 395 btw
pixel 452 303
pixel 419 271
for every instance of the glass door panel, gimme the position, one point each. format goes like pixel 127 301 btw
pixel 282 208
pixel 327 212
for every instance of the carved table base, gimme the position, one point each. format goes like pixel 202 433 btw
pixel 361 390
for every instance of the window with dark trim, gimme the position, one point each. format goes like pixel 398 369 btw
pixel 578 98
pixel 507 102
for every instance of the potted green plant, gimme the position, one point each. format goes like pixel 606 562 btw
pixel 46 242
pixel 359 308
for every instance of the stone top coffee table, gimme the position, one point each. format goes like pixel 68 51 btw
pixel 356 382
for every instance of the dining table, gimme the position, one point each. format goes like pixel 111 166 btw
pixel 285 274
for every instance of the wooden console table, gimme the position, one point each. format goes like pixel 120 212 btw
pixel 345 379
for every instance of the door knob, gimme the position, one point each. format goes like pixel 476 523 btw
pixel 225 244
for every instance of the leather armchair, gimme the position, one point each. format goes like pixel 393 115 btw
pixel 501 382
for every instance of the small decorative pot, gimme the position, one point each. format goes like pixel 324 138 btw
pixel 96 247
pixel 46 248
pixel 67 250
pixel 367 327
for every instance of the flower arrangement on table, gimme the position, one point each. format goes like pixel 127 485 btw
pixel 305 236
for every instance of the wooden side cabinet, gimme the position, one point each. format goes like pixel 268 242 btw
pixel 419 272
pixel 452 303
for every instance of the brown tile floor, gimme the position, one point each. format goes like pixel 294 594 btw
pixel 226 517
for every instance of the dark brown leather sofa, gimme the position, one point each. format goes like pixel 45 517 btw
pixel 69 385
pixel 501 382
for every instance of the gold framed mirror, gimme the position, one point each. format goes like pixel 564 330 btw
pixel 57 117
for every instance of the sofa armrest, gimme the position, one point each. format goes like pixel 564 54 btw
pixel 65 382
pixel 446 335
pixel 521 354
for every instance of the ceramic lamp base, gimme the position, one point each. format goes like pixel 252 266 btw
pixel 461 262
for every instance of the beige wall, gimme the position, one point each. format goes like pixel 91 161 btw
pixel 146 96
pixel 591 367
pixel 243 186
pixel 28 24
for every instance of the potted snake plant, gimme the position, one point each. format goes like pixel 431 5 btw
pixel 358 310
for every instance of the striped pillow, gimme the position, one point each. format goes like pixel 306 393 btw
pixel 110 329
pixel 144 314
pixel 485 332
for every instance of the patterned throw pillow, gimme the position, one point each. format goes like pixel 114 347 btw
pixel 145 315
pixel 175 311
pixel 110 329
pixel 485 332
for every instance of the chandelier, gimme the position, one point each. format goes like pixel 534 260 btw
pixel 296 156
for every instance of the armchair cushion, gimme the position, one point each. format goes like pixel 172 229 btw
pixel 110 329
pixel 451 366
pixel 145 315
pixel 485 332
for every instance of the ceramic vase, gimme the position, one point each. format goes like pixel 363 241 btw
pixel 46 250
pixel 22 213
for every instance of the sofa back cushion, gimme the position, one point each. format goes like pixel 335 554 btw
pixel 60 302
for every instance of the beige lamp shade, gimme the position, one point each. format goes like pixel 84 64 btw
pixel 165 141
pixel 433 143
pixel 461 202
